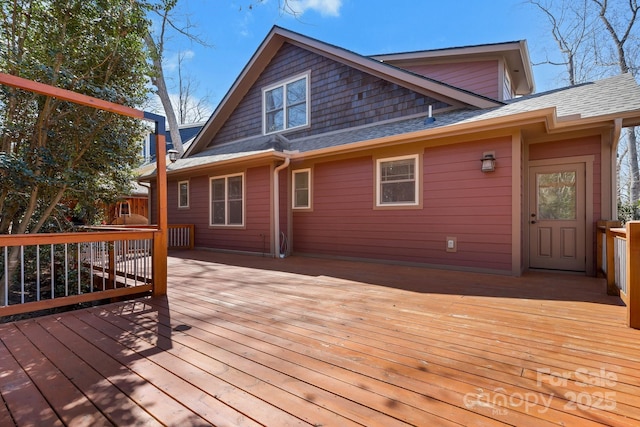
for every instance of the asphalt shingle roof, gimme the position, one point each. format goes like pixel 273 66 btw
pixel 609 96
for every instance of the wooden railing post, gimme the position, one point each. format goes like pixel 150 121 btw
pixel 612 289
pixel 633 274
pixel 192 236
pixel 160 239
pixel 605 261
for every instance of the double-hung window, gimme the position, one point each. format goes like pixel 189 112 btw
pixel 301 189
pixel 397 181
pixel 286 105
pixel 227 200
pixel 183 194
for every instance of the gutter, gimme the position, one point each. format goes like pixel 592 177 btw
pixel 276 207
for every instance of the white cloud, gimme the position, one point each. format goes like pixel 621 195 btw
pixel 170 63
pixel 324 7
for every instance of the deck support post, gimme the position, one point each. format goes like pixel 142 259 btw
pixel 160 239
pixel 633 274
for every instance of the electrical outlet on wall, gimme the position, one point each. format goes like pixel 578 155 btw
pixel 452 244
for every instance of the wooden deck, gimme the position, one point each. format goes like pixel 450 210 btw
pixel 247 341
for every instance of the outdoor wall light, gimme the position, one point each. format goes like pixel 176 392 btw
pixel 488 162
pixel 173 155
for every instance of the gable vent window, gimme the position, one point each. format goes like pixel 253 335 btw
pixel 286 105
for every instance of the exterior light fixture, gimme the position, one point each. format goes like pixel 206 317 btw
pixel 488 162
pixel 173 155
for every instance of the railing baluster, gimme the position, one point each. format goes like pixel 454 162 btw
pixel 37 272
pixel 22 275
pixel 104 255
pixel 66 269
pixel 6 276
pixel 79 270
pixel 91 247
pixel 53 275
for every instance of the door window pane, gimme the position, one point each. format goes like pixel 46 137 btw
pixel 557 195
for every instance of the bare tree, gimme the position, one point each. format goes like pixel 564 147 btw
pixel 598 38
pixel 156 46
pixel 572 30
pixel 191 109
pixel 619 23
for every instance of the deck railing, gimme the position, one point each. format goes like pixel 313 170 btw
pixel 43 271
pixel 619 261
pixel 181 236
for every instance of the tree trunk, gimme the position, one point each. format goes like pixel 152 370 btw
pixel 632 144
pixel 162 92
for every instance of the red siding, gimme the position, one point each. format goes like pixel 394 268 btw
pixel 253 237
pixel 479 77
pixel 459 201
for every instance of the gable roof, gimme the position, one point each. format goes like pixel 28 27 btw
pixel 585 104
pixel 514 53
pixel 278 36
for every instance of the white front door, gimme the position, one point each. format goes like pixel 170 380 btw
pixel 557 223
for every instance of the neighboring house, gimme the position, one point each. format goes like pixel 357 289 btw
pixel 187 133
pixel 131 209
pixel 319 151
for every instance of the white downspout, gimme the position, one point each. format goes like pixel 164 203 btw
pixel 276 206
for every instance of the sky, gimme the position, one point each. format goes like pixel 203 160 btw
pixel 234 30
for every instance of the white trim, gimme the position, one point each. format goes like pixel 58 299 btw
pixel 416 177
pixel 284 83
pixel 293 188
pixel 179 195
pixel 588 161
pixel 226 200
pixel 120 204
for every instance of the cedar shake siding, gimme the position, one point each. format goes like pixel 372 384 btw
pixel 341 97
pixel 458 201
pixel 480 77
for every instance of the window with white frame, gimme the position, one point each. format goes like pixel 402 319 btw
pixel 227 200
pixel 286 105
pixel 301 189
pixel 183 194
pixel 397 181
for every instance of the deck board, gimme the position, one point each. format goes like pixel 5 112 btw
pixel 249 341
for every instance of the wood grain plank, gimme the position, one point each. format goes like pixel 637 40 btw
pixel 117 406
pixel 72 334
pixel 25 403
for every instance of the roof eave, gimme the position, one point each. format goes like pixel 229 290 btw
pixel 276 38
pixel 546 116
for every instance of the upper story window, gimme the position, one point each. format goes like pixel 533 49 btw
pixel 286 105
pixel 397 181
pixel 183 194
